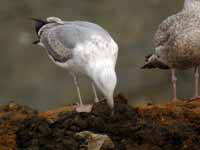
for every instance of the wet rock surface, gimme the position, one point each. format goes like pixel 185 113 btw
pixel 152 127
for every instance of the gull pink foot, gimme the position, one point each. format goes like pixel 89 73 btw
pixel 194 98
pixel 83 108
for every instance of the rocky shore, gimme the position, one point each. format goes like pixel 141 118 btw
pixel 174 126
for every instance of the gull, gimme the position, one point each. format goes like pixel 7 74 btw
pixel 82 48
pixel 177 44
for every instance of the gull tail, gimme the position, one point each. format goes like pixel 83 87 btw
pixel 152 61
pixel 39 24
pixel 36 42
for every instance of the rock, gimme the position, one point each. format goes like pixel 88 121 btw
pixel 175 126
pixel 11 115
pixel 97 141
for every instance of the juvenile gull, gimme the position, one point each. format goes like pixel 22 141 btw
pixel 83 48
pixel 177 43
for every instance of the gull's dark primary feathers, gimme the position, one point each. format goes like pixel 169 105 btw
pixel 39 24
pixel 153 62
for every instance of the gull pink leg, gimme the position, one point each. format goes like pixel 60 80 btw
pixel 174 79
pixel 196 76
pixel 96 99
pixel 80 107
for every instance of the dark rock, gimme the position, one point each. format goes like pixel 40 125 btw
pixel 173 127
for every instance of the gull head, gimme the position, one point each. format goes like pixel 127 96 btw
pixel 106 80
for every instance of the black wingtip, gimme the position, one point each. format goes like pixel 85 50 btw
pixel 162 66
pixel 152 61
pixel 39 23
pixel 148 66
pixel 147 57
pixel 36 19
pixel 157 64
pixel 36 42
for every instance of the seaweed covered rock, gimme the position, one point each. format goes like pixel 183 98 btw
pixel 10 117
pixel 62 133
pixel 173 126
pixel 38 133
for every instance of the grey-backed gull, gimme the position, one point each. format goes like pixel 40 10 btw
pixel 82 48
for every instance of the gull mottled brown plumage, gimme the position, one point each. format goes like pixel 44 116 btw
pixel 177 43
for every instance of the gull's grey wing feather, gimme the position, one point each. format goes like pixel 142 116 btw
pixel 53 52
pixel 60 40
pixel 94 27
